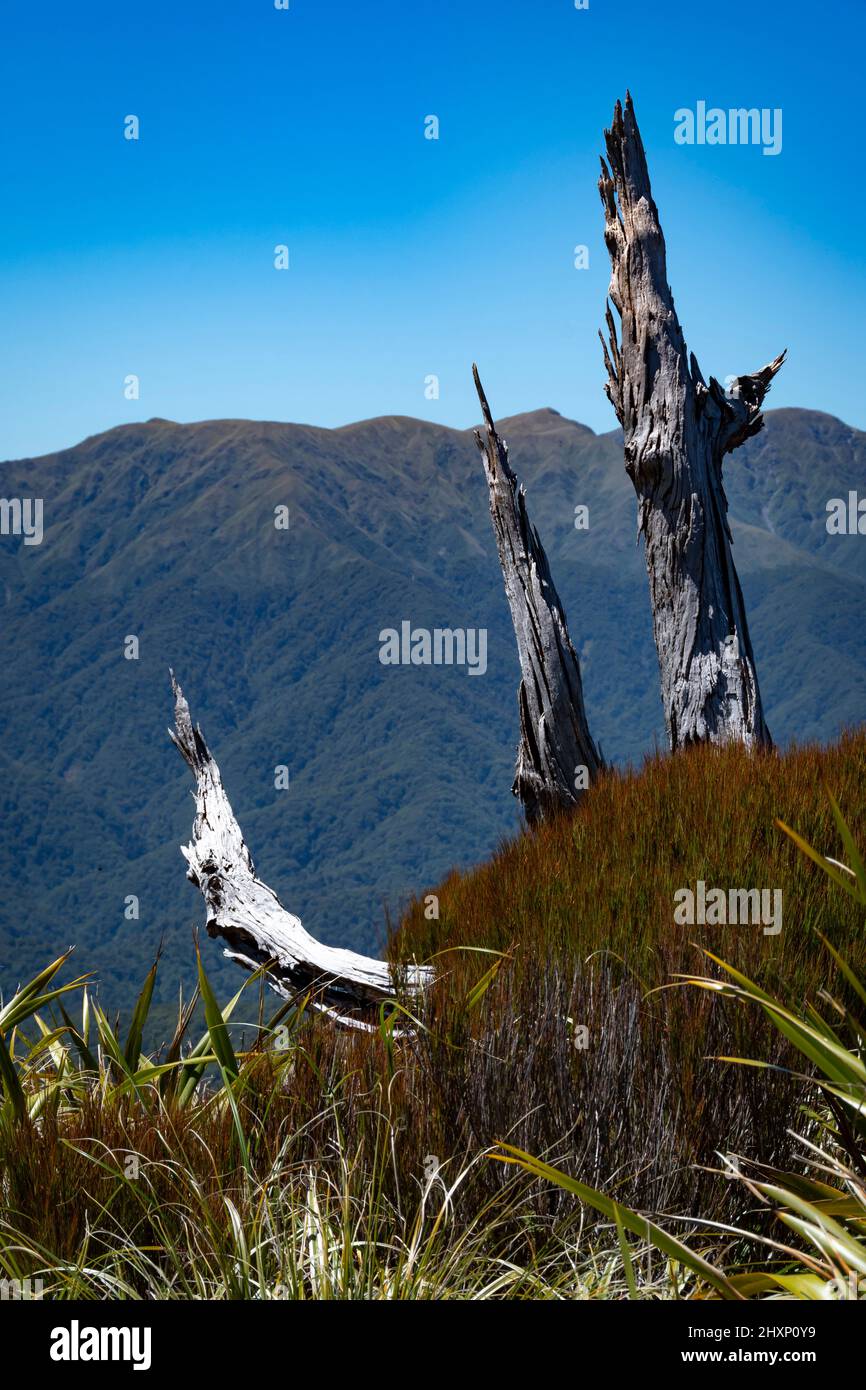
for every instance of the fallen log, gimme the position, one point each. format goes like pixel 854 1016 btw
pixel 250 918
pixel 677 430
pixel 556 756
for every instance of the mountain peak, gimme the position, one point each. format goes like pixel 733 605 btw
pixel 542 421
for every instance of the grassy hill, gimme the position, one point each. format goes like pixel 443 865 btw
pixel 583 915
pixel 166 531
pixel 374 1150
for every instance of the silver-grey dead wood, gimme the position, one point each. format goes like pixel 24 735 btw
pixel 677 430
pixel 249 916
pixel 556 755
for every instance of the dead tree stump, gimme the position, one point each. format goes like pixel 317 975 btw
pixel 677 431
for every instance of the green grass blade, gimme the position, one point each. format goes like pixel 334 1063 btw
pixel 132 1051
pixel 638 1225
pixel 216 1024
pixel 838 877
pixel 855 859
pixel 11 1083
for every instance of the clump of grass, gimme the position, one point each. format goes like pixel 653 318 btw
pixel 114 1187
pixel 353 1165
pixel 821 1205
pixel 583 909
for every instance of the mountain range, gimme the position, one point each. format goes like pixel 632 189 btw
pixel 174 535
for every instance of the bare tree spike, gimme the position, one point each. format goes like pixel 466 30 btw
pixel 249 916
pixel 555 742
pixel 677 431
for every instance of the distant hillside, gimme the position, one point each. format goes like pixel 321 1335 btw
pixel 166 531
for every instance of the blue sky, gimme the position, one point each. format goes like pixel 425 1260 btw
pixel 408 257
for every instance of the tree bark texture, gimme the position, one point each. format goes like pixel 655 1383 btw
pixel 250 918
pixel 556 755
pixel 677 431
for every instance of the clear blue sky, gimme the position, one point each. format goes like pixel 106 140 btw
pixel 409 257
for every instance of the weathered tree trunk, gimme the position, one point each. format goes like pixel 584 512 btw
pixel 677 431
pixel 249 916
pixel 556 756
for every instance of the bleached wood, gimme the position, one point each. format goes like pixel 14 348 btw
pixel 677 431
pixel 249 916
pixel 555 741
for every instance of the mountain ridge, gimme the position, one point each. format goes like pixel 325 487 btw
pixel 803 413
pixel 166 531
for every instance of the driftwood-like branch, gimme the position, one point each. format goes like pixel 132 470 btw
pixel 249 916
pixel 556 755
pixel 677 431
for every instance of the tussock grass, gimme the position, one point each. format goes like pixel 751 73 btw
pixel 820 1251
pixel 584 910
pixel 317 1163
